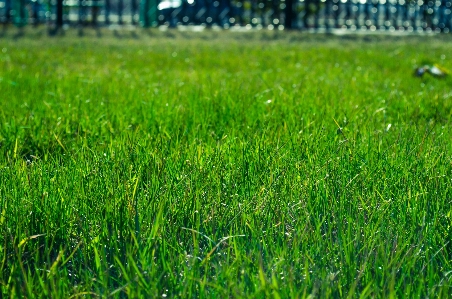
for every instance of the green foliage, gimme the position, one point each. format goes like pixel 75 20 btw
pixel 212 169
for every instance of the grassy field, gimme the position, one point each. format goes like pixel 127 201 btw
pixel 224 165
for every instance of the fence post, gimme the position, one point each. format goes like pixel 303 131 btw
pixel 288 22
pixel 107 12
pixel 144 7
pixel 148 12
pixel 20 13
pixel 59 14
pixel 134 12
pixel 120 11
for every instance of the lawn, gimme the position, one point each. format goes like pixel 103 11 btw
pixel 224 165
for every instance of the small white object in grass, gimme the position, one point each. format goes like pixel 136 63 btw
pixel 388 127
pixel 164 295
pixel 268 102
pixel 434 70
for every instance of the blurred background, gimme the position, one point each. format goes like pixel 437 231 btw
pixel 318 15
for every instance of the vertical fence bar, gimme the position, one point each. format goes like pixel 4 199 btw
pixel 7 17
pixel 148 12
pixel 224 10
pixel 134 11
pixel 261 13
pixel 35 12
pixel 327 15
pixel 289 14
pixel 417 16
pixel 253 13
pixel 95 11
pixel 144 8
pixel 80 12
pixel 406 15
pixel 275 17
pixel 107 12
pixel 120 11
pixel 443 15
pixel 59 13
pixel 22 14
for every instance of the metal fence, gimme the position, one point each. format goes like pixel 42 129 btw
pixel 322 15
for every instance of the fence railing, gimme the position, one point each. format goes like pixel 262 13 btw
pixel 391 15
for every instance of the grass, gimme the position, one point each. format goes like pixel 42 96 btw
pixel 218 165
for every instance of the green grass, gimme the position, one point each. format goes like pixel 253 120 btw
pixel 212 166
